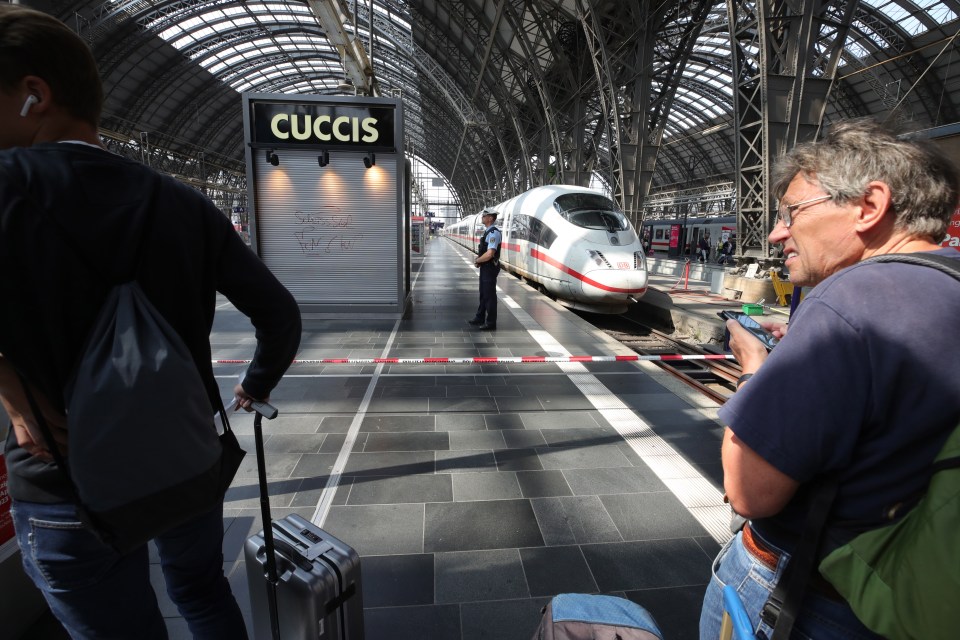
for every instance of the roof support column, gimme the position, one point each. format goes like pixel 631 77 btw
pixel 784 57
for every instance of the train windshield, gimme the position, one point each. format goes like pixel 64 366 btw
pixel 590 211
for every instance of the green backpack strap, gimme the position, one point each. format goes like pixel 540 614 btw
pixel 903 580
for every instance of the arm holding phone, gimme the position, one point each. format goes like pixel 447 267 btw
pixel 751 340
pixel 747 349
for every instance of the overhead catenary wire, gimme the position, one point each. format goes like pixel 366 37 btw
pixel 501 359
pixel 946 47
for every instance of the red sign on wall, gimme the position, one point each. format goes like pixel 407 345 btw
pixel 674 235
pixel 953 232
pixel 6 519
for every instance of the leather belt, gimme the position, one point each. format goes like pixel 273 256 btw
pixel 759 550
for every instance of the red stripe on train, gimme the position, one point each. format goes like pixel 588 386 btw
pixel 539 255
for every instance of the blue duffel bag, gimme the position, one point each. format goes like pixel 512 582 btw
pixel 580 616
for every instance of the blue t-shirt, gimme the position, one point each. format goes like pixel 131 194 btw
pixel 867 382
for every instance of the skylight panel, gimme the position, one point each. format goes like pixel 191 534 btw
pixel 241 22
pixel 854 48
pixel 697 103
pixel 683 122
pixel 912 26
pixel 942 14
pixel 903 18
pixel 182 43
pixel 904 14
pixel 240 87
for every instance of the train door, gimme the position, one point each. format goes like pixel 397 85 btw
pixel 524 259
pixel 538 267
pixel 506 239
pixel 701 234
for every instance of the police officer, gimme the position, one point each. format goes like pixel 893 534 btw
pixel 488 259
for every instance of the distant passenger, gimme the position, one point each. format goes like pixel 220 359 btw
pixel 488 259
pixel 726 252
pixel 703 249
pixel 62 195
pixel 866 383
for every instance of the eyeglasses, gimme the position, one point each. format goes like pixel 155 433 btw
pixel 786 212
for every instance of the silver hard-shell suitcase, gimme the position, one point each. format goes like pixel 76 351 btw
pixel 310 587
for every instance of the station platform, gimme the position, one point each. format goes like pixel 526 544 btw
pixel 474 492
pixel 684 300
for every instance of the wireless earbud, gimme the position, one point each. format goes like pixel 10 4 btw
pixel 29 102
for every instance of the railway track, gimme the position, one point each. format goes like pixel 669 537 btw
pixel 715 379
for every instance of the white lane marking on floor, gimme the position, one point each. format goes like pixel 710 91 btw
pixel 696 493
pixel 333 481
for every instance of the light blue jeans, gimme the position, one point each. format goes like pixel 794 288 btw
pixel 98 594
pixel 820 618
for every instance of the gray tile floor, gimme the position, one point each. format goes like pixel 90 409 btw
pixel 474 493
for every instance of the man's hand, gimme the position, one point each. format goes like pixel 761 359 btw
pixel 778 329
pixel 30 441
pixel 747 349
pixel 244 399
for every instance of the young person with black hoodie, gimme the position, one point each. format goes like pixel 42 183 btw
pixel 63 194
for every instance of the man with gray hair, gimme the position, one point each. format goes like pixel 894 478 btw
pixel 865 387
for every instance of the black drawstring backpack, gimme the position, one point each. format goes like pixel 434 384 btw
pixel 144 453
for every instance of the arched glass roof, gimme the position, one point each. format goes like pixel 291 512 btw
pixel 490 87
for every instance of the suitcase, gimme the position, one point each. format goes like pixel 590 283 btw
pixel 310 586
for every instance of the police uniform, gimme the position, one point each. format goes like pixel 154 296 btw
pixel 486 316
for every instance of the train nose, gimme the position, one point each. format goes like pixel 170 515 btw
pixel 614 284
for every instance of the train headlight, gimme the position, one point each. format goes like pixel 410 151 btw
pixel 639 261
pixel 599 258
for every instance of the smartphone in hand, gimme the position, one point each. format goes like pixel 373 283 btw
pixel 751 325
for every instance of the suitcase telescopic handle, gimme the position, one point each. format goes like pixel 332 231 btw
pixel 263 410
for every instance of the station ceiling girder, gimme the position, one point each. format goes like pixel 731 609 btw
pixel 503 95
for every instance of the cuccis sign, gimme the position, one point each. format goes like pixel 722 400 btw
pixel 324 125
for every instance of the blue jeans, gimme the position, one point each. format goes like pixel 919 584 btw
pixel 820 618
pixel 97 593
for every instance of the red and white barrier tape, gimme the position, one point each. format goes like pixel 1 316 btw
pixel 497 360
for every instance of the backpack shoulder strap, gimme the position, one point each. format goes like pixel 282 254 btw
pixel 949 266
pixel 782 606
pixel 949 456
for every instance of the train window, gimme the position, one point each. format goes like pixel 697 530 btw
pixel 547 236
pixel 659 234
pixel 591 211
pixel 518 227
pixel 535 228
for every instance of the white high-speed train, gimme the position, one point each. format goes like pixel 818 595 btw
pixel 571 242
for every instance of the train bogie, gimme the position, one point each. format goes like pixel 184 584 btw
pixel 569 241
